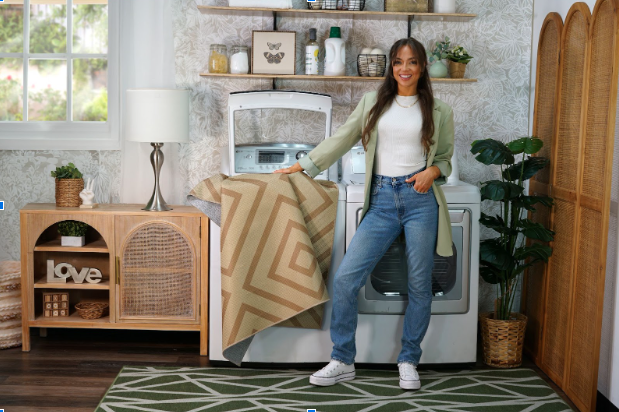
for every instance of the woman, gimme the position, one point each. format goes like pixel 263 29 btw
pixel 408 137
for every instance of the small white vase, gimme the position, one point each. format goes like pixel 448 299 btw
pixel 444 6
pixel 74 241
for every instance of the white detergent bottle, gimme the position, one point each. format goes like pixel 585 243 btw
pixel 335 50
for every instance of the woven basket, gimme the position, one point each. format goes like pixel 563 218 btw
pixel 456 70
pixel 68 192
pixel 91 310
pixel 10 304
pixel 416 6
pixel 503 340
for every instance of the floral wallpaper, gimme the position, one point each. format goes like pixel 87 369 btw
pixel 496 106
pixel 25 178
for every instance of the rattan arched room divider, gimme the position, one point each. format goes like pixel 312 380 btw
pixel 544 123
pixel 566 345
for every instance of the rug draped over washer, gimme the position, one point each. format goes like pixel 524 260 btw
pixel 276 239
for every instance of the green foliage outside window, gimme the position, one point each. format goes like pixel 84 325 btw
pixel 49 35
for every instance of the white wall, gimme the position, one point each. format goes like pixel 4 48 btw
pixel 608 376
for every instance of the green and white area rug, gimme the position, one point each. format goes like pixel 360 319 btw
pixel 156 389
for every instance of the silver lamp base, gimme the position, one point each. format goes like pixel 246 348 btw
pixel 156 202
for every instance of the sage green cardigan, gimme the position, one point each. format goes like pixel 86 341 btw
pixel 331 149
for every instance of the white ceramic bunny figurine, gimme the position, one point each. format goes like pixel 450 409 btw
pixel 88 195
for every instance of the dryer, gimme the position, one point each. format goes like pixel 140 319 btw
pixel 247 155
pixel 452 333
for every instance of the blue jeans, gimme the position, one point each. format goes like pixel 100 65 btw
pixel 394 206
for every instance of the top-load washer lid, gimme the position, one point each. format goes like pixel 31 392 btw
pixel 259 129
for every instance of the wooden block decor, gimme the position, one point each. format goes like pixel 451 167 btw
pixel 55 304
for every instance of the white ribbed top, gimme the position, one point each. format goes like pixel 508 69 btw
pixel 399 151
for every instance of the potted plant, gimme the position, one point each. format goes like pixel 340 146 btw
pixel 458 59
pixel 72 233
pixel 504 258
pixel 69 184
pixel 440 52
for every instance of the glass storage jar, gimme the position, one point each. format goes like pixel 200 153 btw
pixel 239 61
pixel 218 59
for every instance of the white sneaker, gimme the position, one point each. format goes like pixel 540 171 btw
pixel 333 373
pixel 409 378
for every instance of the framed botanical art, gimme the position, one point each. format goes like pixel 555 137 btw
pixel 273 52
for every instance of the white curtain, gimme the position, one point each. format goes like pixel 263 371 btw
pixel 147 61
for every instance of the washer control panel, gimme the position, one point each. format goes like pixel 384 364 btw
pixel 266 158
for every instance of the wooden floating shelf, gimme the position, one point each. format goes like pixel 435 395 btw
pixel 42 284
pixel 455 17
pixel 98 246
pixel 317 77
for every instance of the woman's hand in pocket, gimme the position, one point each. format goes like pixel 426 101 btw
pixel 423 180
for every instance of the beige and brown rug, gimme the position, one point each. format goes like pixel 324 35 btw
pixel 276 239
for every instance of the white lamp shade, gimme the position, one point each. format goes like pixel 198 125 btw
pixel 157 115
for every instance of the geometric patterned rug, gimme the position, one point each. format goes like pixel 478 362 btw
pixel 185 389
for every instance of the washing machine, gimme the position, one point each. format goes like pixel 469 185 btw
pixel 452 333
pixel 254 120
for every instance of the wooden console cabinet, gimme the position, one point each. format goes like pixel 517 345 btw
pixel 154 267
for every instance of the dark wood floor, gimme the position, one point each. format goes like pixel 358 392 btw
pixel 70 370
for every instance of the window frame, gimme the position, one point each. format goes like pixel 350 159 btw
pixel 69 135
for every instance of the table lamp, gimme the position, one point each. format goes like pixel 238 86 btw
pixel 157 116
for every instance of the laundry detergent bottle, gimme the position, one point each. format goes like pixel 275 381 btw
pixel 335 53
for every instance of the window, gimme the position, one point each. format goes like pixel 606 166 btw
pixel 59 74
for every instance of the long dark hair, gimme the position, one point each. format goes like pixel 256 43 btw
pixel 389 89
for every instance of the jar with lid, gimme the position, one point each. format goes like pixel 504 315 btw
pixel 239 61
pixel 218 59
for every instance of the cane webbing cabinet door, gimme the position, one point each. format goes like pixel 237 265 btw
pixel 544 124
pixel 158 262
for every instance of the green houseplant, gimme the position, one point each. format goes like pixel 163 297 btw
pixel 504 258
pixel 458 59
pixel 69 184
pixel 72 232
pixel 440 52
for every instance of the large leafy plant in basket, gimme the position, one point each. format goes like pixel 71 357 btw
pixel 504 258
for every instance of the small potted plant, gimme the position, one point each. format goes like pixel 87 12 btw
pixel 504 258
pixel 458 59
pixel 440 52
pixel 69 184
pixel 72 233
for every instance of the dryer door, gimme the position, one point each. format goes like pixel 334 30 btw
pixel 385 291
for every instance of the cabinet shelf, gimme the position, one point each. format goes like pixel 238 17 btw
pixel 454 17
pixel 316 77
pixel 103 285
pixel 97 246
pixel 72 321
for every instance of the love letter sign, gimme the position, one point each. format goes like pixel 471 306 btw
pixel 61 272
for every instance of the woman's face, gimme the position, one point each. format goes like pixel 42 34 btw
pixel 406 70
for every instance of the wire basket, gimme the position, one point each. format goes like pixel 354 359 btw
pixel 352 5
pixel 371 65
pixel 91 310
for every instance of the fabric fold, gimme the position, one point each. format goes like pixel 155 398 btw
pixel 276 239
